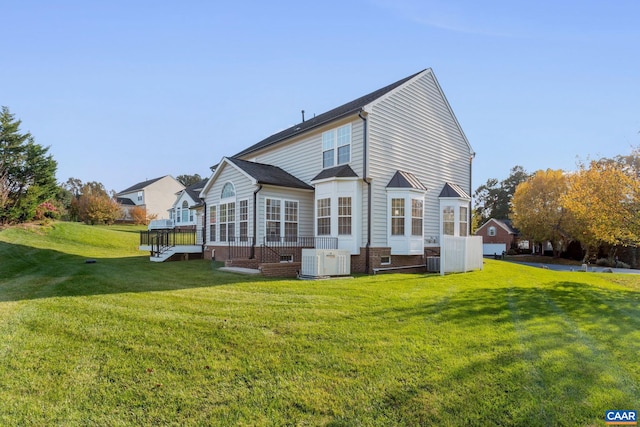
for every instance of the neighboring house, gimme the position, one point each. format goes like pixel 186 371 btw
pixel 498 236
pixel 382 178
pixel 187 209
pixel 156 196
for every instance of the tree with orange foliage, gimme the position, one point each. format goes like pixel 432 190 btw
pixel 604 201
pixel 537 210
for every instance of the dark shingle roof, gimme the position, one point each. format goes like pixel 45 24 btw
pixel 331 115
pixel 141 185
pixel 403 179
pixel 269 174
pixel 194 189
pixel 453 190
pixel 125 201
pixel 343 171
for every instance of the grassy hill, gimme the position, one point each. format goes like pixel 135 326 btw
pixel 128 342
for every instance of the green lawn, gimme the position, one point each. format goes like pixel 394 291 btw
pixel 128 342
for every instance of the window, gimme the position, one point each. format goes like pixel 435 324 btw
pixel 212 223
pixel 273 220
pixel 227 222
pixel 286 258
pixel 290 221
pixel 463 221
pixel 416 217
pixel 228 191
pixel 397 217
pixel 243 219
pixel 185 211
pixel 336 146
pixel 344 215
pixel 140 194
pixel 448 220
pixel 385 260
pixel 324 217
pixel 491 231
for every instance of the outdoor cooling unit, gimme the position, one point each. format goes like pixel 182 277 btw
pixel 433 264
pixel 325 262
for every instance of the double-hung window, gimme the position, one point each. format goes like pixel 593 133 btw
pixel 281 215
pixel 463 221
pixel 290 221
pixel 448 220
pixel 397 217
pixel 243 219
pixel 344 215
pixel 336 146
pixel 416 217
pixel 212 223
pixel 273 218
pixel 324 217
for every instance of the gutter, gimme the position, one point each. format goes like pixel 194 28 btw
pixel 366 181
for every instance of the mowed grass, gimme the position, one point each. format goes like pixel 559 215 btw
pixel 128 342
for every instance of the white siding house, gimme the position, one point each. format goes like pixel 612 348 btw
pixel 372 177
pixel 156 196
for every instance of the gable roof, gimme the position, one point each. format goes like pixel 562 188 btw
pixel 502 223
pixel 141 185
pixel 453 190
pixel 344 110
pixel 343 171
pixel 194 189
pixel 403 179
pixel 269 174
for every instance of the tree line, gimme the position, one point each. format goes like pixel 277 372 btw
pixel 597 206
pixel 29 190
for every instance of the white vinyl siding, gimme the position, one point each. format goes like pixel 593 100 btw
pixel 412 129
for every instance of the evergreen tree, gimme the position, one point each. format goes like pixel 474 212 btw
pixel 27 172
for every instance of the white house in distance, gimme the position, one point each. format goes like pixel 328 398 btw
pixel 382 178
pixel 156 196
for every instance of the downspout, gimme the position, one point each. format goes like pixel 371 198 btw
pixel 470 216
pixel 204 226
pixel 255 220
pixel 366 181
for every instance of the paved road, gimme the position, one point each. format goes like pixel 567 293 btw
pixel 592 268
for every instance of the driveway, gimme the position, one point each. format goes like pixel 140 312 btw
pixel 592 268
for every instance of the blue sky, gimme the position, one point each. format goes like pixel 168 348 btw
pixel 124 91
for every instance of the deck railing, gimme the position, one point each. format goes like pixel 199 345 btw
pixel 161 240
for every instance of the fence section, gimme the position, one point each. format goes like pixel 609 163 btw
pixel 461 254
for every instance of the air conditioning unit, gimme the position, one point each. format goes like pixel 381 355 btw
pixel 325 262
pixel 433 264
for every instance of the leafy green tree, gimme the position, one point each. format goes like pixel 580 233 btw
pixel 27 172
pixel 493 199
pixel 188 180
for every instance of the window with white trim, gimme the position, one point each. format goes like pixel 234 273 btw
pixel 336 146
pixel 463 221
pixel 243 219
pixel 344 216
pixel 491 231
pixel 290 221
pixel 448 220
pixel 212 223
pixel 185 211
pixel 281 215
pixel 227 222
pixel 273 219
pixel 417 215
pixel 140 195
pixel 324 216
pixel 228 191
pixel 397 217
